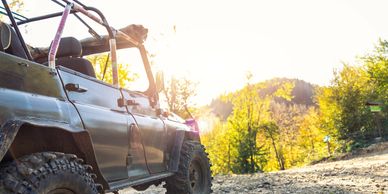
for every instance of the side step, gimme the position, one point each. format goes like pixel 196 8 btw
pixel 121 184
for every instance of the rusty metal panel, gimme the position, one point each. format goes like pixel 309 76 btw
pixel 32 93
pixel 22 75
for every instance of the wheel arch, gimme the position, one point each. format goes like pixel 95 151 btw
pixel 19 138
pixel 180 137
pixel 192 135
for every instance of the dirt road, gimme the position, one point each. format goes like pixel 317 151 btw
pixel 364 174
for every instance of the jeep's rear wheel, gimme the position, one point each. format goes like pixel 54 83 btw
pixel 47 172
pixel 194 175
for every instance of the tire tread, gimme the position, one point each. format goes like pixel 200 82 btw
pixel 179 182
pixel 23 176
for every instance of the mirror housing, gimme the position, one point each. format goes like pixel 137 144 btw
pixel 159 79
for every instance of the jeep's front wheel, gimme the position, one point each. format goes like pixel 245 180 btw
pixel 194 175
pixel 47 173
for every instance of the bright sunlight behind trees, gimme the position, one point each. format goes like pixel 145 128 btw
pixel 270 129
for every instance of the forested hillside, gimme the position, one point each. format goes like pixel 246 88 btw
pixel 302 94
pixel 281 123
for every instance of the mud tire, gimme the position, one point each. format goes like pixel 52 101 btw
pixel 47 173
pixel 193 158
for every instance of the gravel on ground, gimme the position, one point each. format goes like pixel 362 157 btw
pixel 367 173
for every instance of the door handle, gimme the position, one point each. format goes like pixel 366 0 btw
pixel 75 88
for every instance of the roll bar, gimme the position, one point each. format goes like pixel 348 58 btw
pixel 73 7
pixel 81 8
pixel 58 35
pixel 16 15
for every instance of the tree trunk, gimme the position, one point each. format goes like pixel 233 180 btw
pixel 252 156
pixel 229 169
pixel 281 165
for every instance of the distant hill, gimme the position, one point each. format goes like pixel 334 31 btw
pixel 221 108
pixel 302 93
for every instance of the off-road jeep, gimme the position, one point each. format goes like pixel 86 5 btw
pixel 65 131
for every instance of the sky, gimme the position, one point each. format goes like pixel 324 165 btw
pixel 216 42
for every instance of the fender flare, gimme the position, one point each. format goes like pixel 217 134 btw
pixel 180 137
pixel 10 129
pixel 7 135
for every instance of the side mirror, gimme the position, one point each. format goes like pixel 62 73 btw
pixel 159 81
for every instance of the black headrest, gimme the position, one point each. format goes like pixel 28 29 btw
pixel 5 35
pixel 77 64
pixel 10 41
pixel 69 47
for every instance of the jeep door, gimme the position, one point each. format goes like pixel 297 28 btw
pixel 106 122
pixel 152 129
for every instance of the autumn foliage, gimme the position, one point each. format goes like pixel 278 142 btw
pixel 268 127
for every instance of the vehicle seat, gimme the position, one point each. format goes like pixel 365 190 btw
pixel 68 55
pixel 10 41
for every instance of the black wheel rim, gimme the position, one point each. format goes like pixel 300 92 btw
pixel 196 176
pixel 61 191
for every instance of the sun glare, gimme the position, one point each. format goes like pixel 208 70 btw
pixel 215 50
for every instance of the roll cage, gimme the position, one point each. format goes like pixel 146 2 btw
pixel 130 36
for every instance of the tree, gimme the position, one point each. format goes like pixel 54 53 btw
pixel 248 111
pixel 310 138
pixel 179 93
pixel 251 109
pixel 377 69
pixel 271 131
pixel 342 106
pixel 103 68
pixel 343 110
pixel 352 91
pixel 288 118
pixel 219 145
